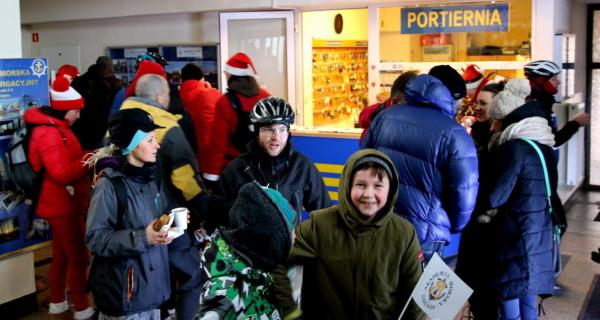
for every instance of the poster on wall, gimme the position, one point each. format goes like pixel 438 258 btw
pixel 177 56
pixel 205 56
pixel 124 61
pixel 23 84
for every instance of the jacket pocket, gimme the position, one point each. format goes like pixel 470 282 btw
pixel 109 284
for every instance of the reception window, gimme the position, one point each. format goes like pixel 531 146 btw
pixel 466 32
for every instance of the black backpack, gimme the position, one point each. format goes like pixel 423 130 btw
pixel 19 169
pixel 242 134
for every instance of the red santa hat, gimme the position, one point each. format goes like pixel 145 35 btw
pixel 473 76
pixel 63 96
pixel 240 65
pixel 67 69
pixel 145 67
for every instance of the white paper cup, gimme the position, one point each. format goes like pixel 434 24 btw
pixel 180 221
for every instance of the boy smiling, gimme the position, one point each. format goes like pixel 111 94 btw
pixel 359 256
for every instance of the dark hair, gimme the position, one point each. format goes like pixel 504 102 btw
pixel 494 87
pixel 378 168
pixel 191 71
pixel 58 114
pixel 400 83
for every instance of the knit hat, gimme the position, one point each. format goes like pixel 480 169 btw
pixel 67 69
pixel 284 207
pixel 513 96
pixel 376 160
pixel 63 96
pixel 128 127
pixel 451 79
pixel 145 67
pixel 261 221
pixel 240 65
pixel 472 75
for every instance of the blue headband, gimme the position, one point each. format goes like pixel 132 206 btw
pixel 137 138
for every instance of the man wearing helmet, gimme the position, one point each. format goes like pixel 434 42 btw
pixel 544 81
pixel 271 160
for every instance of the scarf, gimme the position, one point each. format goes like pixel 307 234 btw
pixel 533 128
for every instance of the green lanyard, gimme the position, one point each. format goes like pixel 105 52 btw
pixel 547 180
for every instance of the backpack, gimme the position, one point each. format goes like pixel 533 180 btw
pixel 19 169
pixel 242 135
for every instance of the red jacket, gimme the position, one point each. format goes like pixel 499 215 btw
pixel 200 101
pixel 55 149
pixel 221 149
pixel 364 119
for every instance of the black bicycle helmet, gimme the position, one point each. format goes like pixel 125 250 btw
pixel 542 68
pixel 271 110
pixel 151 56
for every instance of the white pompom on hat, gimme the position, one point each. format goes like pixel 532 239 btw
pixel 240 65
pixel 513 96
pixel 63 96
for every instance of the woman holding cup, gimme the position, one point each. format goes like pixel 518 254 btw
pixel 129 275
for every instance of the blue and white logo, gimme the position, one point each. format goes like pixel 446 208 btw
pixel 38 67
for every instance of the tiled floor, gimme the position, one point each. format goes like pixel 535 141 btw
pixel 580 277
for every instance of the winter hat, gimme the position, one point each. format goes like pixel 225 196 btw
pixel 472 75
pixel 284 207
pixel 240 65
pixel 67 69
pixel 451 79
pixel 513 96
pixel 145 67
pixel 128 127
pixel 191 71
pixel 260 221
pixel 376 160
pixel 63 96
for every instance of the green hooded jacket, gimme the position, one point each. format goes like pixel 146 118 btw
pixel 354 269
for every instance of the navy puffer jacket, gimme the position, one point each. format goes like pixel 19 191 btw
pixel 435 158
pixel 521 232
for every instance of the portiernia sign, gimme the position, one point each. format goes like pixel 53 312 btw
pixel 491 17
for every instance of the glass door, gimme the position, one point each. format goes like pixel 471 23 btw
pixel 268 39
pixel 593 92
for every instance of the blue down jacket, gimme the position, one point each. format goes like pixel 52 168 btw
pixel 435 158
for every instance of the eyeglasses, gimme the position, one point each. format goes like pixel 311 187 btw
pixel 272 131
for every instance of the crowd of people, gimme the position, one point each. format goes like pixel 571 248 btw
pixel 445 153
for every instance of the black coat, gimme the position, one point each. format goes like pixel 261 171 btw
pixel 291 173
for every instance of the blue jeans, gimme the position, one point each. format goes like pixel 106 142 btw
pixel 430 247
pixel 523 308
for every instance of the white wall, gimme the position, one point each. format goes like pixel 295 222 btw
pixel 94 36
pixel 36 11
pixel 10 24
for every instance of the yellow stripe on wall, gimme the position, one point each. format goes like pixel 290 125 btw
pixel 332 182
pixel 333 195
pixel 330 168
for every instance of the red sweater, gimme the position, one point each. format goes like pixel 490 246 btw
pixel 221 149
pixel 55 149
pixel 200 101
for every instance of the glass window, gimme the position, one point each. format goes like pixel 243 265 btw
pixel 444 32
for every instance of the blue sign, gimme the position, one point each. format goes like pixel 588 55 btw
pixel 491 17
pixel 23 83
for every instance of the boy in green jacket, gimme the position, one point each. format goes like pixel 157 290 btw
pixel 361 260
